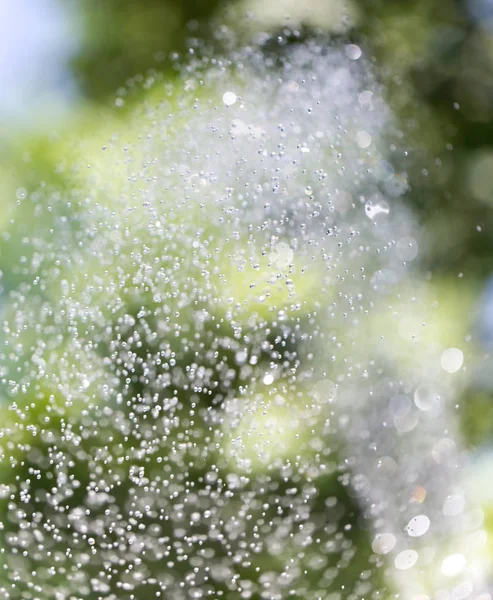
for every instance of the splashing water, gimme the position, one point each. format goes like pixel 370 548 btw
pixel 218 378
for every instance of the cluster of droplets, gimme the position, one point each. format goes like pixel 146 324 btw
pixel 201 400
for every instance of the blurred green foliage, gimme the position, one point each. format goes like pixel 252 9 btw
pixel 124 38
pixel 436 64
pixel 434 58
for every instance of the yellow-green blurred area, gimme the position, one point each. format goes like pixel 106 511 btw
pixel 434 59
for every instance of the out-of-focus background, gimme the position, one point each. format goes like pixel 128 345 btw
pixel 66 66
pixel 64 63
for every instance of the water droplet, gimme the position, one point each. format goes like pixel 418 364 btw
pixel 374 209
pixel 399 406
pixel 21 193
pixel 383 543
pixel 418 526
pixel 406 560
pixel 407 422
pixel 353 52
pixel 453 505
pixel 281 255
pixel 363 139
pixel 453 565
pixel 426 397
pixel 407 248
pixel 229 98
pixel 365 99
pixel 451 360
pixel 443 450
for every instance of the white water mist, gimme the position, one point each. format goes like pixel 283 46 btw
pixel 221 324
